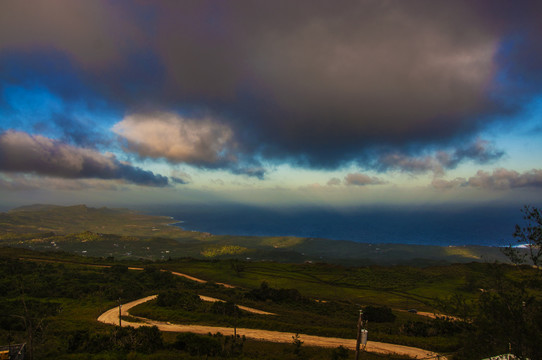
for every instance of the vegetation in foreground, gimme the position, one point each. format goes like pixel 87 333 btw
pixel 51 301
pixel 57 303
pixel 53 307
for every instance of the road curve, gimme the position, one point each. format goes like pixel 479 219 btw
pixel 245 308
pixel 112 317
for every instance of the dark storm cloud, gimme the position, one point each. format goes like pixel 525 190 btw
pixel 23 153
pixel 312 82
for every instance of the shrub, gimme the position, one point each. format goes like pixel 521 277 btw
pixel 198 345
pixel 378 314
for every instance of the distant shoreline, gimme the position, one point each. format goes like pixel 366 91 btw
pixel 203 230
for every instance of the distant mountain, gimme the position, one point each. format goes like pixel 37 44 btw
pixel 37 207
pixel 80 218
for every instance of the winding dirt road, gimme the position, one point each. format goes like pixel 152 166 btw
pixel 112 317
pixel 245 308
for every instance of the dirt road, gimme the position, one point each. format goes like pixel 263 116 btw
pixel 245 308
pixel 112 317
pixel 201 281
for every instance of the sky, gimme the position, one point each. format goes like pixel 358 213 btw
pixel 279 103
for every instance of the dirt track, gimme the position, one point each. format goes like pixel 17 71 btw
pixel 112 317
pixel 245 308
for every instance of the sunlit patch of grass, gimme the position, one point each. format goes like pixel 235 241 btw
pixel 214 251
pixel 281 241
pixel 461 251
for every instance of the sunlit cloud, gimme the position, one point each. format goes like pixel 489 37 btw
pixel 177 139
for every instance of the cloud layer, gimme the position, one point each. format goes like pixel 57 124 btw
pixel 24 153
pixel 479 152
pixel 308 82
pixel 499 179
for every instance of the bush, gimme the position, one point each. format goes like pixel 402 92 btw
pixel 177 299
pixel 378 314
pixel 276 295
pixel 198 345
pixel 225 308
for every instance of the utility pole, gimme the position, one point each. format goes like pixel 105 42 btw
pixel 358 340
pixel 235 322
pixel 120 314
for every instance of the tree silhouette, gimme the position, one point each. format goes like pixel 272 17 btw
pixel 528 235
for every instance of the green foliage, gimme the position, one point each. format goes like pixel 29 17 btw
pixel 441 326
pixel 179 299
pixel 237 266
pixel 227 308
pixel 529 235
pixel 143 339
pixel 214 251
pixel 507 318
pixel 296 342
pixel 198 344
pixel 277 295
pixel 378 314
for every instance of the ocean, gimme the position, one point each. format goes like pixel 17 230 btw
pixel 424 225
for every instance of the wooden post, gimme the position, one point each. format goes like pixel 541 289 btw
pixel 120 314
pixel 358 340
pixel 235 322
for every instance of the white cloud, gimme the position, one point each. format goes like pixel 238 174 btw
pixel 178 139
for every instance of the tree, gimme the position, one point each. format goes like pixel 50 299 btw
pixel 529 235
pixel 237 266
pixel 296 342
